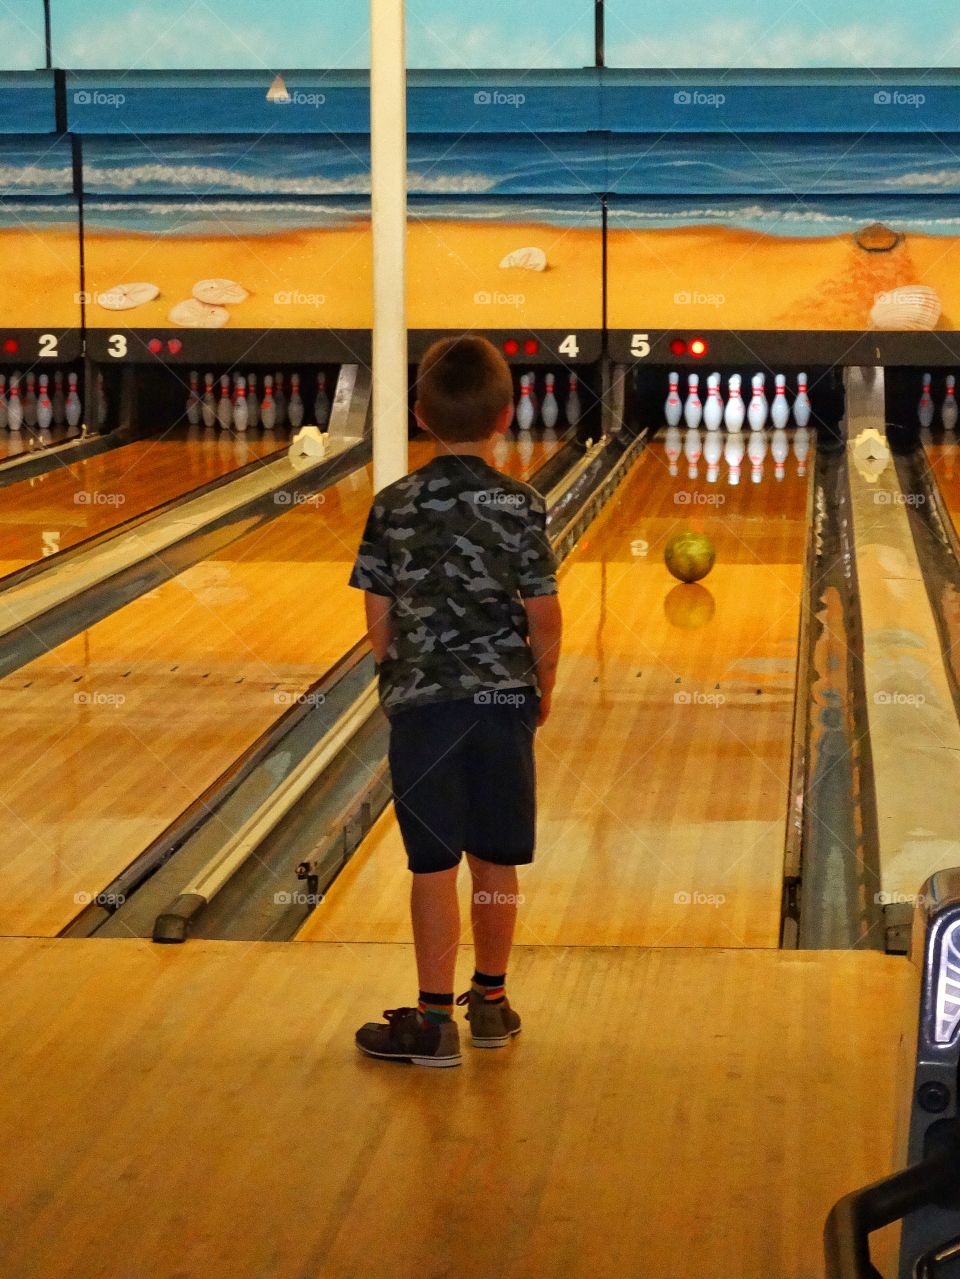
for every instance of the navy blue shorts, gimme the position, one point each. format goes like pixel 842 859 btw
pixel 464 779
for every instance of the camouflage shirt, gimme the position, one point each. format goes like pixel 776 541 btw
pixel 456 546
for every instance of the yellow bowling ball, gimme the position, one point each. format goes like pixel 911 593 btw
pixel 689 556
pixel 689 607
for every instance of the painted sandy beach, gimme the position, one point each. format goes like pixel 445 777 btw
pixel 39 278
pixel 727 278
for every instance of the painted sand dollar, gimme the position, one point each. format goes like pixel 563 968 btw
pixel 219 292
pixel 193 314
pixel 124 297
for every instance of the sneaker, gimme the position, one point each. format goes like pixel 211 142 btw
pixel 405 1037
pixel 492 1025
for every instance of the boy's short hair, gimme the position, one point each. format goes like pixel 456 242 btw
pixel 463 385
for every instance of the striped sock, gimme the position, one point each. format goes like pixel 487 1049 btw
pixel 493 989
pixel 435 1008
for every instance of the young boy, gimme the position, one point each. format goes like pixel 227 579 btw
pixel 464 621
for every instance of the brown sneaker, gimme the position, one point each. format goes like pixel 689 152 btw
pixel 406 1038
pixel 491 1025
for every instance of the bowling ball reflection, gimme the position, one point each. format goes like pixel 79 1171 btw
pixel 689 556
pixel 689 607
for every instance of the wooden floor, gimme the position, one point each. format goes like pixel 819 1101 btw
pixel 21 443
pixel 200 1111
pixel 72 502
pixel 663 772
pixel 131 720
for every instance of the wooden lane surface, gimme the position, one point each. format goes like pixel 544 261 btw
pixel 172 1110
pixel 663 772
pixel 27 441
pixel 110 736
pixel 70 503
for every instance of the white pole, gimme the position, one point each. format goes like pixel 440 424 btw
pixel 388 149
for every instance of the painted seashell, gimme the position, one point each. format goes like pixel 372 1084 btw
pixel 530 259
pixel 193 314
pixel 877 238
pixel 124 297
pixel 913 306
pixel 219 292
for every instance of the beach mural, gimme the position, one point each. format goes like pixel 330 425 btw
pixel 274 233
pixel 39 236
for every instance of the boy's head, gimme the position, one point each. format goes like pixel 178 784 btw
pixel 464 390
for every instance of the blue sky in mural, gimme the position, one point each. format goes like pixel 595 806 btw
pixel 22 44
pixel 769 33
pixel 316 33
pixel 537 33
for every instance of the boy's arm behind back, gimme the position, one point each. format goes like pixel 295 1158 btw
pixel 545 631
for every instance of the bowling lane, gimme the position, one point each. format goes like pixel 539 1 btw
pixel 944 462
pixel 664 769
pixel 17 443
pixel 108 738
pixel 73 502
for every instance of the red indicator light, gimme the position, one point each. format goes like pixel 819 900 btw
pixel 698 347
pixel 678 346
pixel 11 346
pixel 174 346
pixel 511 347
pixel 531 347
pixel 154 346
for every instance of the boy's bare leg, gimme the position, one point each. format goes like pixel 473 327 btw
pixel 435 909
pixel 493 913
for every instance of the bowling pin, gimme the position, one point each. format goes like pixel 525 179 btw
pixel 240 418
pixel 780 450
pixel 224 406
pixel 534 398
pixel 801 405
pixel 30 402
pixel 73 407
pixel 733 451
pixel 321 405
pixel 253 404
pixel 44 405
pixel 801 448
pixel 693 409
pixel 279 400
pixel 295 408
pixel 550 410
pixel 672 445
pixel 735 411
pixel 59 400
pixel 268 409
pixel 692 450
pixel 757 451
pixel 713 409
pixel 712 453
pixel 101 401
pixel 574 410
pixel 193 400
pixel 673 409
pixel 925 407
pixel 525 414
pixel 949 410
pixel 780 413
pixel 757 412
pixel 209 408
pixel 3 402
pixel 14 406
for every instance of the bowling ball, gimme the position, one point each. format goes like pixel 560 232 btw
pixel 689 607
pixel 689 556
